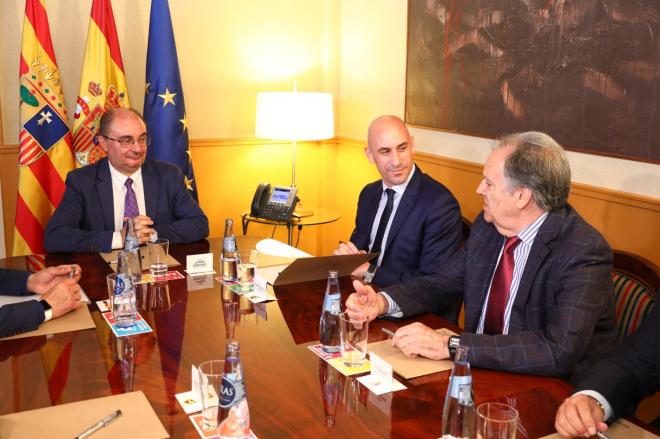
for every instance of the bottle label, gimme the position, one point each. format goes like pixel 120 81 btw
pixel 122 284
pixel 460 387
pixel 231 393
pixel 229 244
pixel 332 304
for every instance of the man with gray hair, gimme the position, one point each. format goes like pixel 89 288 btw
pixel 533 275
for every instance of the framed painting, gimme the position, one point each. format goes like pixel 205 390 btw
pixel 587 72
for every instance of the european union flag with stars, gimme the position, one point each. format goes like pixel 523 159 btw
pixel 164 107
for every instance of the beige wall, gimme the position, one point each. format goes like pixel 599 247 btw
pixel 228 50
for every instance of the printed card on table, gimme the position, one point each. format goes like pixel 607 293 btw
pixel 199 264
pixel 170 275
pixel 318 350
pixel 104 305
pixel 338 363
pixel 380 379
pixel 140 326
pixel 191 401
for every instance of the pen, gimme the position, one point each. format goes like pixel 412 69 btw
pixel 602 435
pixel 102 423
pixel 387 332
pixel 72 273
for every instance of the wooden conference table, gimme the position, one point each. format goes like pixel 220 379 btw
pixel 287 385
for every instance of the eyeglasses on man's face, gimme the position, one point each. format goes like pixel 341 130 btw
pixel 128 141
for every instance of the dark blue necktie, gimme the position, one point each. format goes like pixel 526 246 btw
pixel 384 219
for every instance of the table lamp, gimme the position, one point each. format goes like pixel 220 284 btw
pixel 294 116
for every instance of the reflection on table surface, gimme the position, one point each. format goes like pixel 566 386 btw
pixel 291 392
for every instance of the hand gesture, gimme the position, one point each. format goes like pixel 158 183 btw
pixel 63 297
pixel 417 339
pixel 42 281
pixel 365 303
pixel 580 416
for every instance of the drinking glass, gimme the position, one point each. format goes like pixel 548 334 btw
pixel 353 336
pixel 496 421
pixel 210 385
pixel 247 266
pixel 123 305
pixel 158 250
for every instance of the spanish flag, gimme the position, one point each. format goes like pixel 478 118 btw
pixel 102 83
pixel 45 153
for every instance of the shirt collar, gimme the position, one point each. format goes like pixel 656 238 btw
pixel 401 188
pixel 121 178
pixel 528 234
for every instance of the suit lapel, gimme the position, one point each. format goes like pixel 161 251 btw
pixel 537 255
pixel 104 193
pixel 371 207
pixel 150 184
pixel 405 206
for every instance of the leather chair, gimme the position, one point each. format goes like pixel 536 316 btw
pixel 636 282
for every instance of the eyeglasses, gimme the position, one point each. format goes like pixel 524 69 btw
pixel 127 141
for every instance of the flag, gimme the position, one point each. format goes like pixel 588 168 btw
pixel 102 83
pixel 164 108
pixel 45 152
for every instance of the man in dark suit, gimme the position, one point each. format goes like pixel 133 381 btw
pixel 614 386
pixel 534 276
pixel 125 184
pixel 421 221
pixel 59 290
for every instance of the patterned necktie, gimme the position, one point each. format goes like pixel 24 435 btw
pixel 384 218
pixel 130 202
pixel 499 289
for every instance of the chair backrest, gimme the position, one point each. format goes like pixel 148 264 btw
pixel 636 282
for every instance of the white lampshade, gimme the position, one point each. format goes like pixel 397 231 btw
pixel 294 116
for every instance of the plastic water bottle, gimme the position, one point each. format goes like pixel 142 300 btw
pixel 132 246
pixel 123 300
pixel 233 413
pixel 329 324
pixel 459 415
pixel 229 257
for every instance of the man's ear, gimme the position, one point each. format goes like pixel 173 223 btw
pixel 524 196
pixel 367 152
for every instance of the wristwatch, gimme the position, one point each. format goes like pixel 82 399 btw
pixel 368 276
pixel 452 345
pixel 48 310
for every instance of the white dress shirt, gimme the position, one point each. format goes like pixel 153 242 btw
pixel 119 197
pixel 398 193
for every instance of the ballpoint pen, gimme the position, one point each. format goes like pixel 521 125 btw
pixel 100 424
pixel 602 435
pixel 387 332
pixel 72 273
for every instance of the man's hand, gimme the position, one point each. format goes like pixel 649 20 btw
pixel 365 303
pixel 42 281
pixel 143 228
pixel 347 248
pixel 417 339
pixel 580 416
pixel 63 297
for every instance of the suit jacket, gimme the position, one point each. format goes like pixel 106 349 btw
pixel 632 372
pixel 18 317
pixel 563 315
pixel 425 232
pixel 84 221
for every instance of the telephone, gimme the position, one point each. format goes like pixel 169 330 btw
pixel 275 203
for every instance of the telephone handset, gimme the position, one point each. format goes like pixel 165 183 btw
pixel 275 203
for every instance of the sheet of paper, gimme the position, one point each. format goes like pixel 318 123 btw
pixel 307 269
pixel 111 258
pixel 621 429
pixel 138 419
pixel 410 367
pixel 268 274
pixel 76 320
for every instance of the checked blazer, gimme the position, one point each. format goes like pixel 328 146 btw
pixel 563 315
